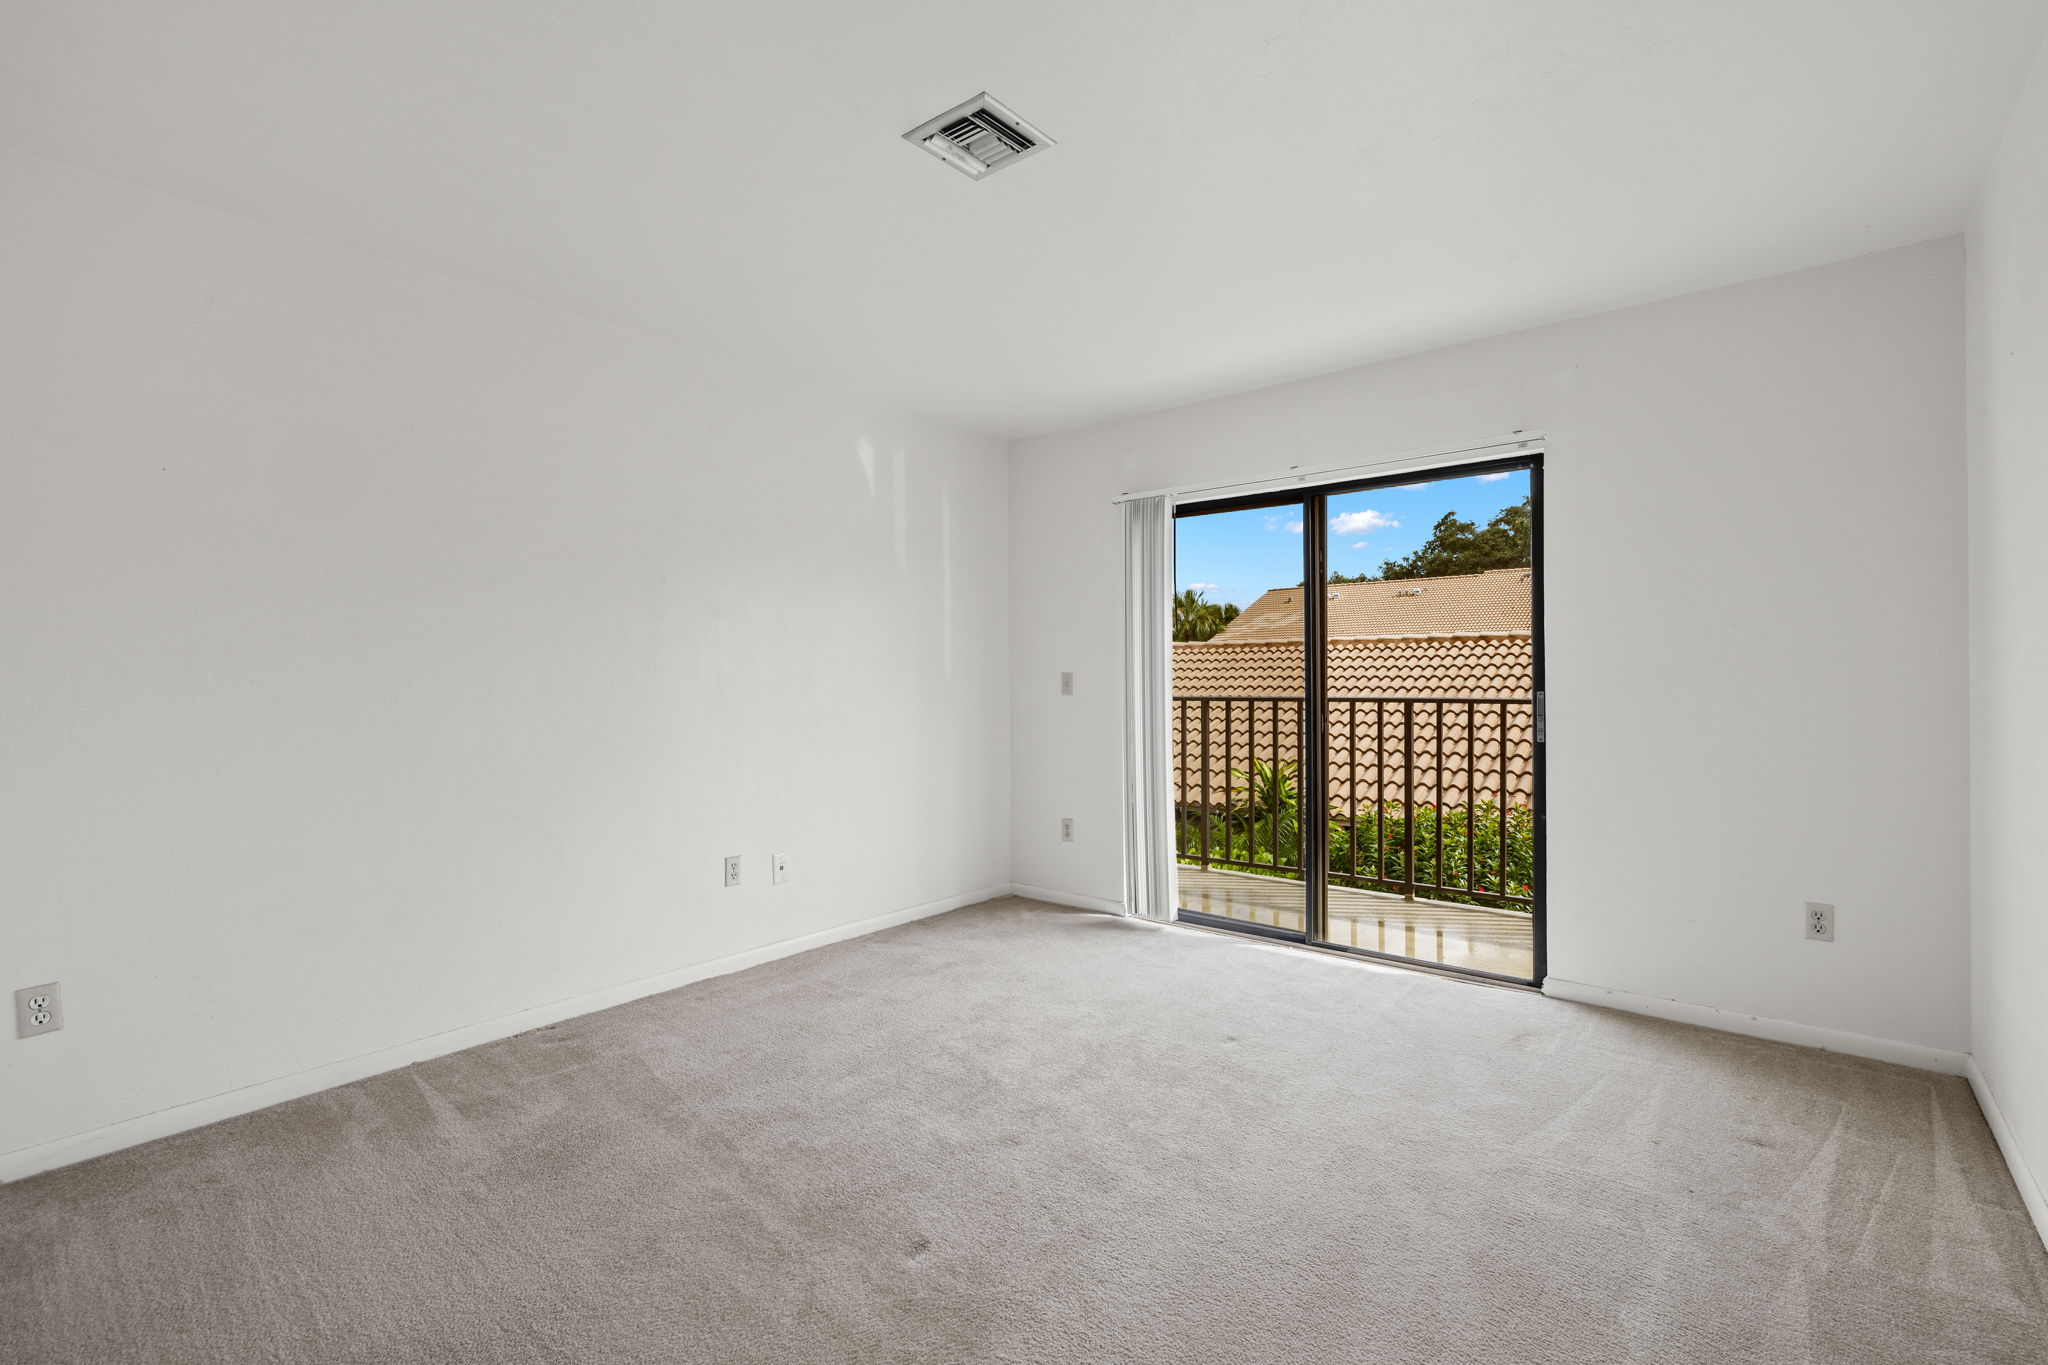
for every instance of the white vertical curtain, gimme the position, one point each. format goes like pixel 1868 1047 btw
pixel 1148 698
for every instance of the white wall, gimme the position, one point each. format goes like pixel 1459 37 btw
pixel 2008 350
pixel 384 655
pixel 1756 605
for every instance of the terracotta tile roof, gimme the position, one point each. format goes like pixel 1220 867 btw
pixel 1462 750
pixel 1460 753
pixel 1396 666
pixel 1492 603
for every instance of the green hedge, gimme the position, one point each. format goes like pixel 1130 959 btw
pixel 1249 833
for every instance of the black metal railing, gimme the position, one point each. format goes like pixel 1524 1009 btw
pixel 1427 795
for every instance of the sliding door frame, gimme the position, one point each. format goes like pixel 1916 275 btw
pixel 1314 778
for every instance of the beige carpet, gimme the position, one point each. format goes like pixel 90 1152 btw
pixel 1014 1133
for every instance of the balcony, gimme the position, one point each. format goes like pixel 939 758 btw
pixel 1430 821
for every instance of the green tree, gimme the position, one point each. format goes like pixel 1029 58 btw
pixel 1195 617
pixel 1456 546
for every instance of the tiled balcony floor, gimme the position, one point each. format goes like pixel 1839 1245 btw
pixel 1428 931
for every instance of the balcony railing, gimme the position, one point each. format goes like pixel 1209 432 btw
pixel 1428 796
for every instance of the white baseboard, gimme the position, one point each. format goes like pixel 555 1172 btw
pixel 1052 897
pixel 2031 1193
pixel 26 1161
pixel 1759 1026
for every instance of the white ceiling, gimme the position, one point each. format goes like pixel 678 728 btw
pixel 1243 190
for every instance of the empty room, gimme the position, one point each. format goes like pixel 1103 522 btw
pixel 1123 683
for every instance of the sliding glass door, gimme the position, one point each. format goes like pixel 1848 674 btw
pixel 1357 717
pixel 1240 713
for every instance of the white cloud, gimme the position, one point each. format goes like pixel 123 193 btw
pixel 1294 526
pixel 1201 587
pixel 1361 523
pixel 1358 545
pixel 1492 478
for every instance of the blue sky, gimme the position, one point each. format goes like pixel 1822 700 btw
pixel 1235 556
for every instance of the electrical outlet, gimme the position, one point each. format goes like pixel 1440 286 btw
pixel 1066 830
pixel 1066 684
pixel 732 870
pixel 38 1009
pixel 1820 921
pixel 779 865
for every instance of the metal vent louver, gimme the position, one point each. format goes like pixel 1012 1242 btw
pixel 979 137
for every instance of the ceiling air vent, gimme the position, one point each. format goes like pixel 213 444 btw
pixel 979 137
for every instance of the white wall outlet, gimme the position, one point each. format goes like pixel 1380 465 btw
pixel 780 868
pixel 1066 684
pixel 1820 921
pixel 1066 829
pixel 38 1009
pixel 732 870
